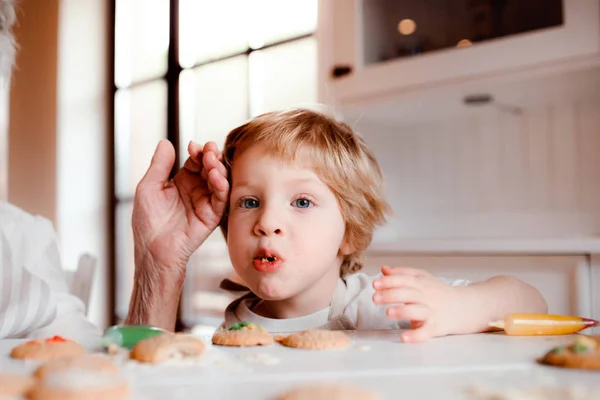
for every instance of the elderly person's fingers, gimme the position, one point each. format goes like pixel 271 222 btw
pixel 160 167
pixel 220 191
pixel 194 162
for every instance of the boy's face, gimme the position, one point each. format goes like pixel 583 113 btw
pixel 285 227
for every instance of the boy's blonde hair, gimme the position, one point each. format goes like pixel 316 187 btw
pixel 341 159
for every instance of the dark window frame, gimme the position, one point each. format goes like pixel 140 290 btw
pixel 171 78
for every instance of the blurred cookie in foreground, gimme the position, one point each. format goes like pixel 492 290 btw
pixel 167 346
pixel 583 353
pixel 315 339
pixel 47 349
pixel 14 385
pixel 533 393
pixel 80 385
pixel 242 334
pixel 98 363
pixel 329 391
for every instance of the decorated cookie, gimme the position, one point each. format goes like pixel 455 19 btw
pixel 583 353
pixel 243 334
pixel 315 339
pixel 533 392
pixel 14 385
pixel 86 362
pixel 80 385
pixel 328 391
pixel 47 349
pixel 166 346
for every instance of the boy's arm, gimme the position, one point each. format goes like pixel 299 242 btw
pixel 435 308
pixel 493 299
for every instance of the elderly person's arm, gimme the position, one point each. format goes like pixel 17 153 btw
pixel 171 219
pixel 35 300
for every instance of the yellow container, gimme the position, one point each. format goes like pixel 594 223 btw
pixel 542 324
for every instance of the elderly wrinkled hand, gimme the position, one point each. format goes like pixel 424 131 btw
pixel 171 218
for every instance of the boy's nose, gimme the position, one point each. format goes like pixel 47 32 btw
pixel 267 224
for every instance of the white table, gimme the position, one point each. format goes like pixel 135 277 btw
pixel 442 368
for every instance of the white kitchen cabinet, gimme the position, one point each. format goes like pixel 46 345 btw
pixel 362 76
pixel 565 281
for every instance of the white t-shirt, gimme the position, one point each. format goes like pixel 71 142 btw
pixel 351 308
pixel 34 297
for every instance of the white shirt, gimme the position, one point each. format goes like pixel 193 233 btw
pixel 351 308
pixel 34 297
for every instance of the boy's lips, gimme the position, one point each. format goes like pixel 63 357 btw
pixel 266 260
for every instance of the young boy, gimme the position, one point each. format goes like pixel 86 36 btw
pixel 306 195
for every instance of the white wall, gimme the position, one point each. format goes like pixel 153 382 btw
pixel 82 205
pixel 495 174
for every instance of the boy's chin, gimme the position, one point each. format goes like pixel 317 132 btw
pixel 271 292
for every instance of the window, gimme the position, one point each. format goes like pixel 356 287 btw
pixel 236 59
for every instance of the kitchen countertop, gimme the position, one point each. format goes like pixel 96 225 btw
pixel 443 368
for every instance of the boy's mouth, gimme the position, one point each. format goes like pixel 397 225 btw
pixel 267 261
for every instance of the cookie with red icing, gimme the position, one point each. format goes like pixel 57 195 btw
pixel 47 349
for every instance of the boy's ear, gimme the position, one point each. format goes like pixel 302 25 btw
pixel 346 248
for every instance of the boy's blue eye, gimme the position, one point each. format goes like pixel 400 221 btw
pixel 303 203
pixel 249 203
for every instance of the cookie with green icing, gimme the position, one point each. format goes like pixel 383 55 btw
pixel 583 352
pixel 242 334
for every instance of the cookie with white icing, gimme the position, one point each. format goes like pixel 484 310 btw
pixel 14 385
pixel 80 385
pixel 98 363
pixel 328 391
pixel 167 346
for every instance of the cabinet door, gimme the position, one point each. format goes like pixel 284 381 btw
pixel 564 281
pixel 367 36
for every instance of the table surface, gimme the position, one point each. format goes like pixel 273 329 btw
pixel 443 368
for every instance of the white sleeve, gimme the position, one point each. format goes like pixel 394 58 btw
pixel 356 300
pixel 35 301
pixel 455 282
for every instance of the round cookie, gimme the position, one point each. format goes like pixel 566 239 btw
pixel 243 334
pixel 15 385
pixel 86 362
pixel 315 339
pixel 80 385
pixel 328 391
pixel 166 346
pixel 583 353
pixel 47 349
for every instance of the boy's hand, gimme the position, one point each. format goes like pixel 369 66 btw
pixel 433 307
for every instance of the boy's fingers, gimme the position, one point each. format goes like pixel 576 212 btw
pixel 402 271
pixel 396 295
pixel 395 282
pixel 422 334
pixel 410 312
